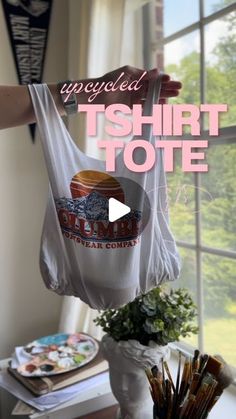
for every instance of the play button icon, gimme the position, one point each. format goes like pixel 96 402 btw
pixel 107 208
pixel 117 210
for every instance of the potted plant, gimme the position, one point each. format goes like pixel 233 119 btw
pixel 137 337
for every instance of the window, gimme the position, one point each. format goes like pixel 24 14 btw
pixel 199 48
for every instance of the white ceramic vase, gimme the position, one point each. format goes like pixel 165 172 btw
pixel 127 362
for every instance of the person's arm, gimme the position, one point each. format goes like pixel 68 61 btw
pixel 16 107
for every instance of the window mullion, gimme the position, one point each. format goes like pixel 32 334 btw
pixel 199 284
pixel 205 249
pixel 202 60
pixel 197 181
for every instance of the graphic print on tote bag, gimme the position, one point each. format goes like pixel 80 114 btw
pixel 85 215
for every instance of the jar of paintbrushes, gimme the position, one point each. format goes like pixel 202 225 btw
pixel 199 383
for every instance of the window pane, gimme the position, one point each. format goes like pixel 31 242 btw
pixel 187 280
pixel 182 61
pixel 219 276
pixel 212 6
pixel 219 214
pixel 178 15
pixel 221 65
pixel 181 200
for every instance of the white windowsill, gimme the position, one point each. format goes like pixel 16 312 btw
pixel 100 398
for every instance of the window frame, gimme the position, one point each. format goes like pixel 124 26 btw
pixel 227 135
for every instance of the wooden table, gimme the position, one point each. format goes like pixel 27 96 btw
pixel 108 413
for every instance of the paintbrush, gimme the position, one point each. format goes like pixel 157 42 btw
pixel 159 383
pixel 190 373
pixel 209 383
pixel 168 399
pixel 183 385
pixel 177 384
pixel 208 397
pixel 160 398
pixel 196 361
pixel 199 384
pixel 225 378
pixel 190 411
pixel 213 366
pixel 169 375
pixel 203 360
pixel 149 376
pixel 148 373
pixel 184 382
pixel 178 374
pixel 154 371
pixel 187 407
pixel 162 407
pixel 198 399
pixel 194 383
pixel 151 386
pixel 159 376
pixel 155 377
pixel 163 375
pixel 202 383
pixel 155 391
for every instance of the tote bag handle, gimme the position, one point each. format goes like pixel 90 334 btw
pixel 153 94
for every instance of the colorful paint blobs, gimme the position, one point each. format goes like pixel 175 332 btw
pixel 58 353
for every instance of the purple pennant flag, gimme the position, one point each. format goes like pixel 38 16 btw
pixel 28 23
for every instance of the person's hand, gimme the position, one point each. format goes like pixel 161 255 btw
pixel 17 109
pixel 170 88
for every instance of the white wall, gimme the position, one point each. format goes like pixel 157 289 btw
pixel 27 308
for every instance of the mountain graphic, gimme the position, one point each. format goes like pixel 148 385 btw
pixel 91 207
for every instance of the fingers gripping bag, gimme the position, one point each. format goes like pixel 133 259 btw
pixel 105 264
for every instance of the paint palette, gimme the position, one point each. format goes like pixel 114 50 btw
pixel 57 354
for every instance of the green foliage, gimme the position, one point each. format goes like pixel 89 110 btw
pixel 158 316
pixel 218 216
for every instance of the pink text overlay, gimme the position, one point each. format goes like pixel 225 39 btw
pixel 95 88
pixel 167 120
